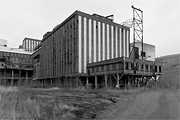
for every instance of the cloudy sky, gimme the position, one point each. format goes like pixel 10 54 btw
pixel 33 18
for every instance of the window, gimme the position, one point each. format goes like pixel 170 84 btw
pixel 127 66
pixel 137 66
pixel 160 69
pixel 151 68
pixel 102 68
pixel 147 68
pixel 132 66
pixel 155 68
pixel 142 67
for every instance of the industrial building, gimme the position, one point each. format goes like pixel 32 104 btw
pixel 148 49
pixel 15 66
pixel 29 44
pixel 72 53
pixel 79 40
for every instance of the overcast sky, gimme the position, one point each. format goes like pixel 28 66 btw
pixel 33 18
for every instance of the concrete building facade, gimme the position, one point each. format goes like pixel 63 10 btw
pixel 15 66
pixel 81 39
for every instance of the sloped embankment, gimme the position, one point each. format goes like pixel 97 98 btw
pixel 171 71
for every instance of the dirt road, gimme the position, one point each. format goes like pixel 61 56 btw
pixel 150 105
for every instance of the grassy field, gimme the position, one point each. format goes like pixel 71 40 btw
pixel 57 104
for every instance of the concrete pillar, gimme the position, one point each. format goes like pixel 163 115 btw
pixel 87 82
pixel 106 79
pixel 51 82
pixel 26 78
pixel 96 84
pixel 117 85
pixel 12 77
pixel 4 76
pixel 77 82
pixel 20 78
pixel 43 83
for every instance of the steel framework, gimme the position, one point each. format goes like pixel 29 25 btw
pixel 138 27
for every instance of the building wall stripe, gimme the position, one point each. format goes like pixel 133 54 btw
pixel 116 42
pixel 99 41
pixel 126 38
pixel 128 42
pixel 90 41
pixel 85 44
pixel 103 41
pixel 94 40
pixel 112 42
pixel 82 40
pixel 108 52
pixel 105 35
pixel 80 46
pixel 120 43
pixel 124 42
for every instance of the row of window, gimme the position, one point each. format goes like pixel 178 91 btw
pixel 16 57
pixel 128 66
pixel 142 67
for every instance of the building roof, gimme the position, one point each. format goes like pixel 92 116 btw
pixel 32 39
pixel 14 50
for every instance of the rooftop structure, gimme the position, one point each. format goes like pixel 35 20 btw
pixel 30 44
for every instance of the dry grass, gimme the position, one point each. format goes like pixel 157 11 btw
pixel 54 104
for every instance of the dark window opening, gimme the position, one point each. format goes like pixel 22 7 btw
pixel 155 68
pixel 142 67
pixel 127 66
pixel 159 68
pixel 147 68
